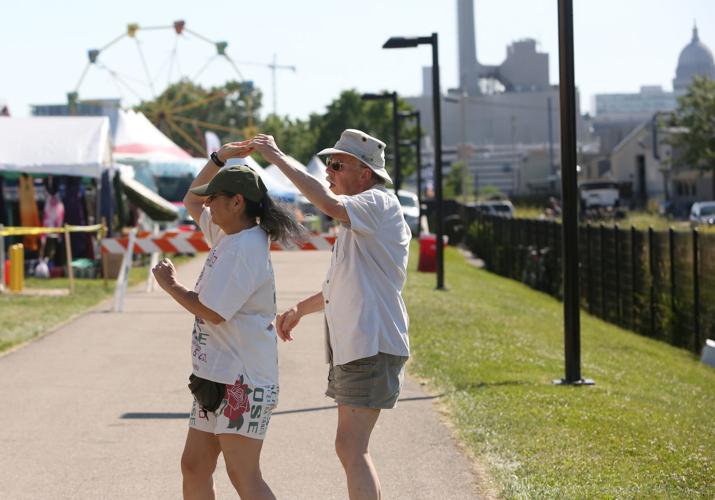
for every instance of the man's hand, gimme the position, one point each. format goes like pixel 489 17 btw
pixel 239 149
pixel 286 322
pixel 266 145
pixel 165 273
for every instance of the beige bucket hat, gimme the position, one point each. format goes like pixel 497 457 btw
pixel 364 147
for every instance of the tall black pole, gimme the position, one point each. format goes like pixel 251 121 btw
pixel 567 90
pixel 418 132
pixel 397 181
pixel 437 158
pixel 552 163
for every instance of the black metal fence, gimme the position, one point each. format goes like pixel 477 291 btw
pixel 658 283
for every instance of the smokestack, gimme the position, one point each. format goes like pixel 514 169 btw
pixel 426 80
pixel 468 65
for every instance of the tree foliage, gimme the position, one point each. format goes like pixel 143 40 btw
pixel 185 110
pixel 696 115
pixel 458 182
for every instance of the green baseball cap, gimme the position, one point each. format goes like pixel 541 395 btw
pixel 238 179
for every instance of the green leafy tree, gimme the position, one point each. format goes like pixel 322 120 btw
pixel 185 110
pixel 696 115
pixel 296 137
pixel 457 182
pixel 349 110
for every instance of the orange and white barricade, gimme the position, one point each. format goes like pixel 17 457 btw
pixel 185 242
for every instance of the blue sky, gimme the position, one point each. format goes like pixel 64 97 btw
pixel 334 44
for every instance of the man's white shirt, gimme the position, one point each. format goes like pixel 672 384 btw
pixel 363 289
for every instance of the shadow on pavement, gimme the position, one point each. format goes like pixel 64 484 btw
pixel 183 415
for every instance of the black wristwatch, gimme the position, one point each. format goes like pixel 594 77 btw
pixel 217 160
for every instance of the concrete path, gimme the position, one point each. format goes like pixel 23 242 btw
pixel 98 410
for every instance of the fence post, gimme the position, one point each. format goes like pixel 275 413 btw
pixel 651 270
pixel 671 251
pixel 633 277
pixel 2 259
pixel 696 290
pixel 68 255
pixel 617 254
pixel 602 231
pixel 589 270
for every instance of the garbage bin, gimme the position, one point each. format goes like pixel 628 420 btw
pixel 427 262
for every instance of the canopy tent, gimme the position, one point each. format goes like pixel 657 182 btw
pixel 317 169
pixel 156 207
pixel 77 145
pixel 136 137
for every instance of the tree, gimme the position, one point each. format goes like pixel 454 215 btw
pixel 185 110
pixel 457 183
pixel 296 137
pixel 696 115
pixel 349 110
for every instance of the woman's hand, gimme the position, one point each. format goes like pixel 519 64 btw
pixel 286 322
pixel 165 273
pixel 239 149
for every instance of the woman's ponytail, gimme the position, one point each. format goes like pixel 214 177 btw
pixel 275 220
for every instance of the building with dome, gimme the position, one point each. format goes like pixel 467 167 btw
pixel 643 160
pixel 695 59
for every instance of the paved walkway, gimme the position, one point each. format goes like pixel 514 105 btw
pixel 98 410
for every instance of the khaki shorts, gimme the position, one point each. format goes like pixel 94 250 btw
pixel 373 382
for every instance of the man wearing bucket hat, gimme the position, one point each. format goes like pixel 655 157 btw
pixel 234 354
pixel 366 341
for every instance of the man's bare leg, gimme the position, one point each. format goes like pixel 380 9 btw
pixel 351 444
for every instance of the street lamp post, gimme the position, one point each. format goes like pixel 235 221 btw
pixel 397 181
pixel 567 90
pixel 403 43
pixel 417 143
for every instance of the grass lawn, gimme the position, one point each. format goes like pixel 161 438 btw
pixel 25 317
pixel 492 346
pixel 639 219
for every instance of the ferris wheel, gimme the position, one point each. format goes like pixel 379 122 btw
pixel 169 112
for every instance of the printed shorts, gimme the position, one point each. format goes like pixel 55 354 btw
pixel 245 410
pixel 373 382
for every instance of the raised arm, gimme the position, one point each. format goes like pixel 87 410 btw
pixel 193 203
pixel 311 187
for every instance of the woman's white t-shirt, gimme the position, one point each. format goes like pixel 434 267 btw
pixel 237 282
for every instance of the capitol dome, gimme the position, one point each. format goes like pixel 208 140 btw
pixel 695 59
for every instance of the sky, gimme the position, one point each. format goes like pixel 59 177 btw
pixel 334 45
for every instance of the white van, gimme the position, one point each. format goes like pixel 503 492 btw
pixel 598 194
pixel 410 209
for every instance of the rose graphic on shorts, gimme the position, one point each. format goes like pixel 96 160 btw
pixel 237 403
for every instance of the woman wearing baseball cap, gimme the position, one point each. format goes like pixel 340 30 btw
pixel 234 347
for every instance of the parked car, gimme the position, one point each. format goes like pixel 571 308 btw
pixel 598 194
pixel 410 209
pixel 503 208
pixel 703 212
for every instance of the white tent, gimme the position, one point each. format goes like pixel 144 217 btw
pixel 317 169
pixel 136 137
pixel 76 145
